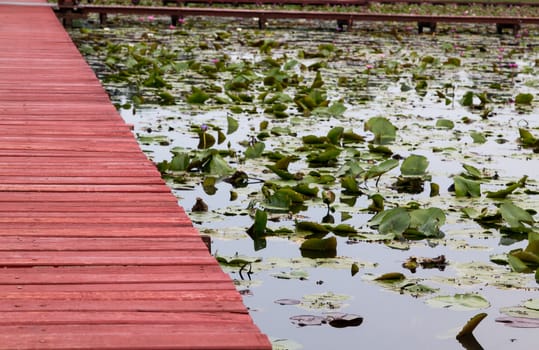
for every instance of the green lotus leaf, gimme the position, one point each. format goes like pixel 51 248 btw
pixel 445 124
pixel 515 216
pixel 414 165
pixel 320 244
pixel 466 188
pixel 462 302
pixel 232 125
pixel 470 326
pixel 380 168
pixel 524 99
pixel 478 137
pixel 391 277
pixel 394 221
pixel 384 131
pixel 197 96
pixel 255 151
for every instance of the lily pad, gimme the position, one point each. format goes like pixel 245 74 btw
pixel 460 302
pixel 414 165
pixel 466 188
pixel 320 245
pixel 384 131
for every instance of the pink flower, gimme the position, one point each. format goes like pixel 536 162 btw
pixel 370 66
pixel 513 65
pixel 171 27
pixel 151 18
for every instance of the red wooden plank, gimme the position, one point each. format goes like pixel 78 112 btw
pixel 82 188
pixel 70 207
pixel 118 197
pixel 134 295
pixel 21 243
pixel 78 180
pixel 101 231
pixel 87 258
pixel 119 317
pixel 123 305
pixel 133 339
pixel 201 288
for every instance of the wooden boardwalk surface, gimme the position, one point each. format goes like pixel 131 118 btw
pixel 95 252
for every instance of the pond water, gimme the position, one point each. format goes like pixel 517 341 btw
pixel 419 84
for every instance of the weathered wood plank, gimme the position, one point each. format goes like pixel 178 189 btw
pixel 123 305
pixel 132 338
pixel 80 244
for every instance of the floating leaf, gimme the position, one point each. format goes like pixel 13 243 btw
pixel 414 165
pixel 238 179
pixel 350 186
pixel 292 275
pixel 532 304
pixel 209 185
pixel 515 216
pixel 459 302
pixel 472 172
pixel 166 98
pixel 346 320
pixel 524 99
pixel 417 289
pixel 306 190
pixel 466 188
pixel 311 227
pixel 467 99
pixel 453 61
pixel 307 320
pixel 218 166
pixel 394 221
pixel 287 301
pixel 478 137
pixel 390 277
pixel 283 174
pixel 255 151
pixel 232 125
pixel 343 229
pixel 205 140
pixel 470 326
pixel 258 229
pixel 197 96
pixel 179 162
pixel 384 132
pixel 517 265
pixel 508 190
pixel 324 301
pixel 527 139
pixel 519 317
pixel 427 222
pixel 321 245
pixel 325 158
pixel 445 124
pixel 354 269
pixel 381 168
pixel 335 134
pixel 377 204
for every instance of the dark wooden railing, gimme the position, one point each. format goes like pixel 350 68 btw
pixel 70 9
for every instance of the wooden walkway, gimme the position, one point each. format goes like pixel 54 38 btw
pixel 95 252
pixel 68 10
